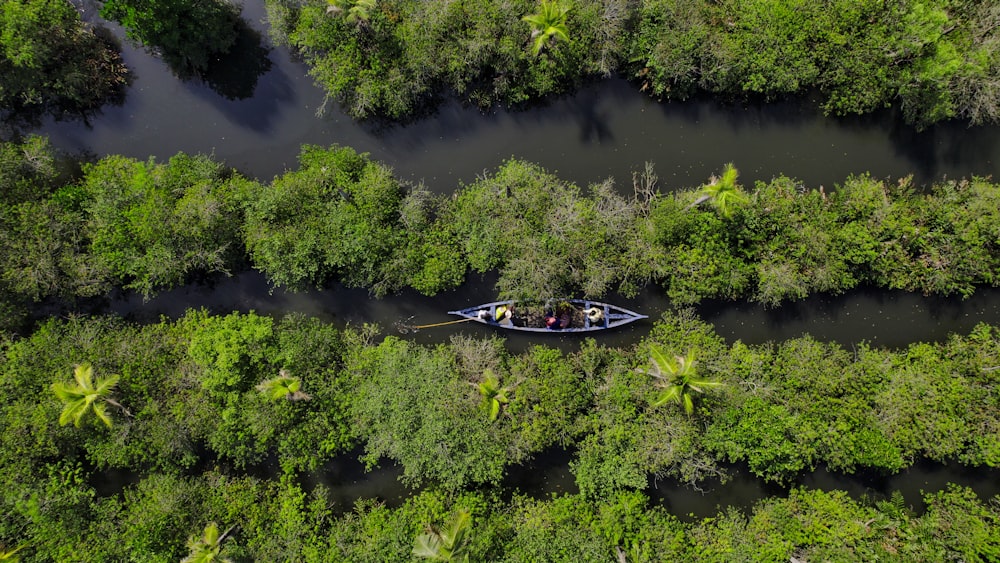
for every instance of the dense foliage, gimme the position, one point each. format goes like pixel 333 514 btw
pixel 938 60
pixel 192 410
pixel 934 59
pixel 51 62
pixel 190 403
pixel 342 217
pixel 205 384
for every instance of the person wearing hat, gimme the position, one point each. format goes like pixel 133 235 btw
pixel 594 315
pixel 502 312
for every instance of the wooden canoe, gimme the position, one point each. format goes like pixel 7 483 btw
pixel 530 316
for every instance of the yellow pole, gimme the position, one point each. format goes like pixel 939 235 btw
pixel 442 324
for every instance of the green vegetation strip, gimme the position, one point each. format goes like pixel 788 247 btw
pixel 937 59
pixel 341 217
pixel 934 59
pixel 168 401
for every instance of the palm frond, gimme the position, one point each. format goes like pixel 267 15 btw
pixel 729 175
pixel 84 375
pixel 549 22
pixel 102 414
pixel 283 386
pixel 206 549
pixel 672 393
pixel 427 546
pixel 64 392
pixel 79 397
pixel 454 530
pixel 11 556
pixel 107 384
pixel 661 363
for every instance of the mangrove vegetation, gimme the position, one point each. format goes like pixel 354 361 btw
pixel 212 427
pixel 189 407
pixel 342 218
pixel 934 60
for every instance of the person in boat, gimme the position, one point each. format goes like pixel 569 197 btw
pixel 500 315
pixel 503 313
pixel 594 314
pixel 552 322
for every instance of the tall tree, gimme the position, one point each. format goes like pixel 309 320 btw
pixel 722 192
pixel 676 377
pixel 86 395
pixel 449 543
pixel 51 61
pixel 550 21
pixel 206 549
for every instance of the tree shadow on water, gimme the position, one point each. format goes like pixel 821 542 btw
pixel 234 75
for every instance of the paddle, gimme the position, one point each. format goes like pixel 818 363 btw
pixel 405 328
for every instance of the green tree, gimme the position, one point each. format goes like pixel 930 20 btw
pixel 550 21
pixel 206 549
pixel 284 386
pixel 353 11
pixel 51 61
pixel 153 224
pixel 676 377
pixel 723 192
pixel 86 395
pixel 449 543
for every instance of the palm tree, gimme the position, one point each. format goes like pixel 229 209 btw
pixel 723 191
pixel 86 395
pixel 451 543
pixel 550 21
pixel 205 549
pixel 676 377
pixel 494 396
pixel 283 386
pixel 355 11
pixel 11 556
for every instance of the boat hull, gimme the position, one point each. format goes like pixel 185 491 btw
pixel 529 316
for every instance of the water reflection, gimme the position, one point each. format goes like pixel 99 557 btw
pixel 347 482
pixel 743 490
pixel 605 129
pixel 234 75
pixel 889 319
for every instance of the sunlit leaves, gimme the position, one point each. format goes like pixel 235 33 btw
pixel 353 11
pixel 284 386
pixel 676 377
pixel 548 24
pixel 207 547
pixel 86 395
pixel 494 396
pixel 449 542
